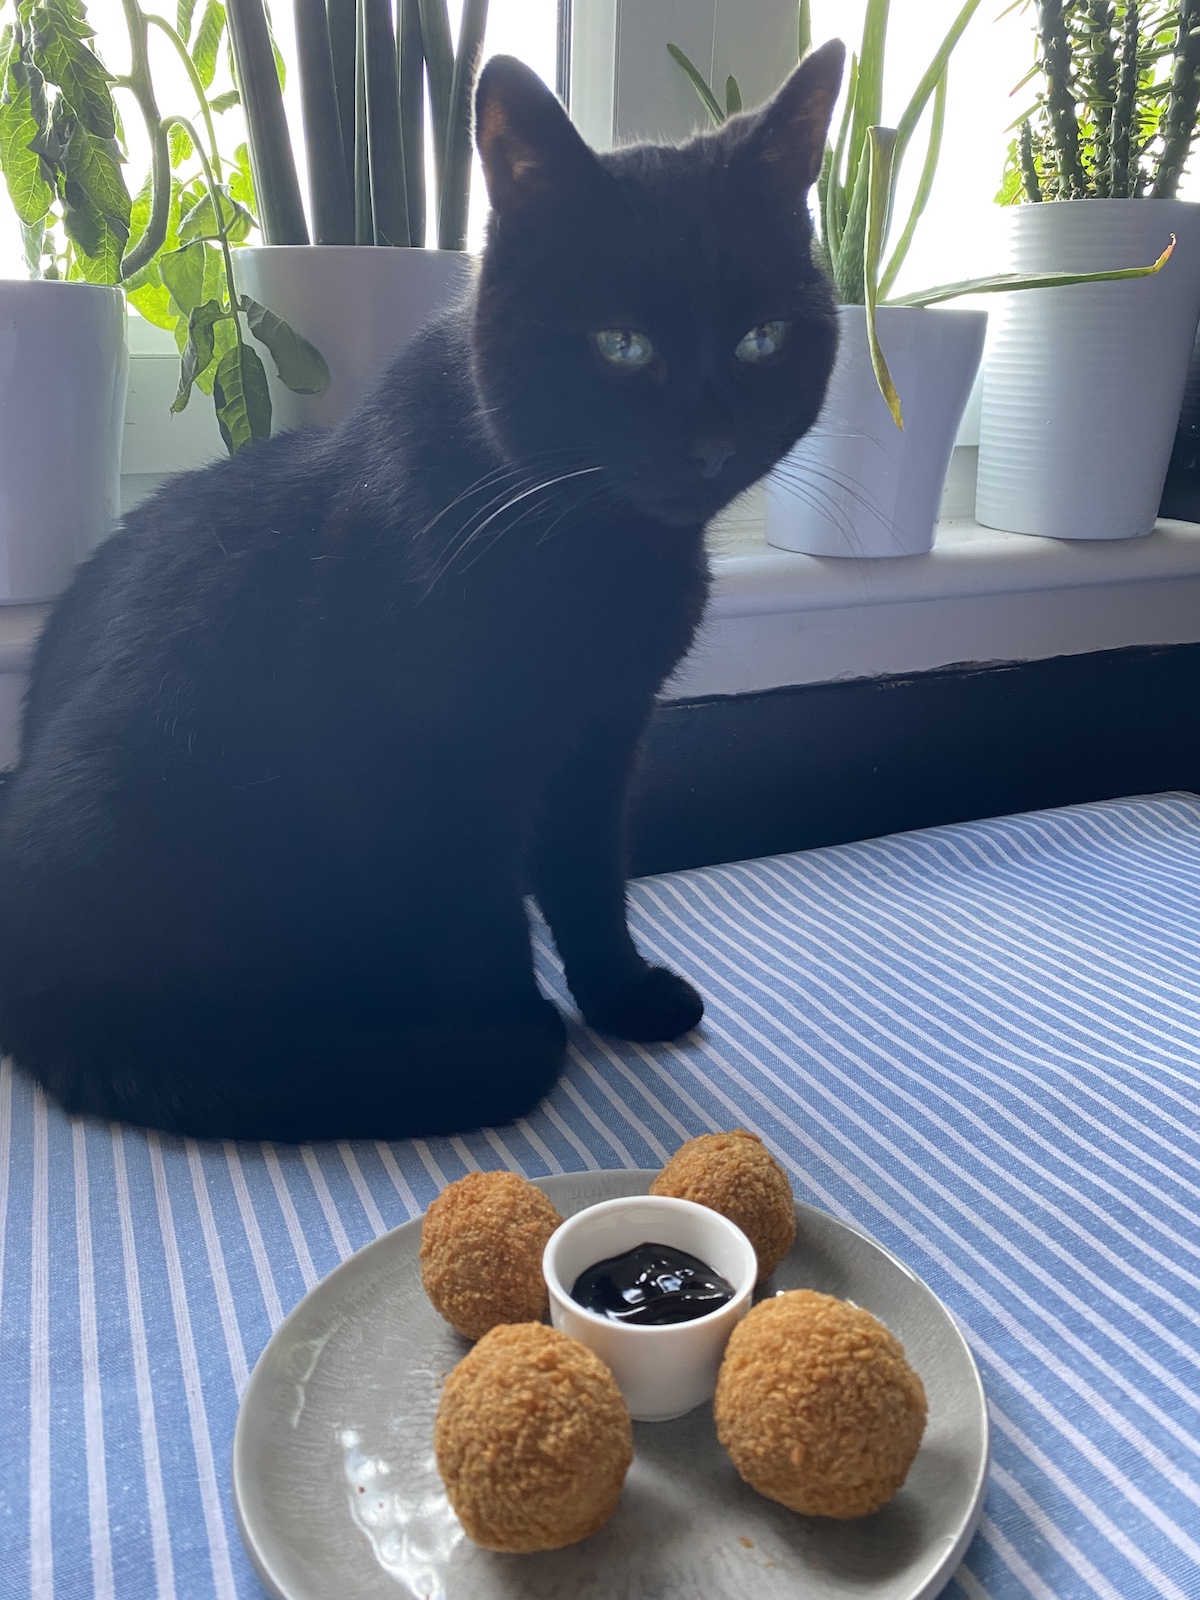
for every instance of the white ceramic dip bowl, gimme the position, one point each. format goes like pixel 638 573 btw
pixel 662 1371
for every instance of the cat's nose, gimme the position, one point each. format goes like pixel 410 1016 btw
pixel 711 454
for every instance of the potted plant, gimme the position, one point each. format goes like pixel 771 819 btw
pixel 362 92
pixel 1082 389
pixel 867 479
pixel 88 242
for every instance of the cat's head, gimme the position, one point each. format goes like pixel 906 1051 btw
pixel 655 311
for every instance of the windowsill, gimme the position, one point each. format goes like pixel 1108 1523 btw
pixel 755 579
pixel 777 618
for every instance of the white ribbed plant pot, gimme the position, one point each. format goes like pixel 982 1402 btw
pixel 855 485
pixel 359 305
pixel 63 372
pixel 1082 385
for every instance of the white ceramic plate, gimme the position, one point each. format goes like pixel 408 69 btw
pixel 338 1497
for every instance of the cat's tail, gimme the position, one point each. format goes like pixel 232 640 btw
pixel 373 1083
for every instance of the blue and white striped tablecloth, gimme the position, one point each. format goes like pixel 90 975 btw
pixel 980 1043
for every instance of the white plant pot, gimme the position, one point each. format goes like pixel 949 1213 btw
pixel 1082 385
pixel 855 485
pixel 359 305
pixel 63 371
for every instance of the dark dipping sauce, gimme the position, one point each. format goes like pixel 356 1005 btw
pixel 650 1286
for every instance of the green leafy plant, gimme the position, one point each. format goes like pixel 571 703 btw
pixel 61 152
pixel 856 190
pixel 1117 102
pixel 362 93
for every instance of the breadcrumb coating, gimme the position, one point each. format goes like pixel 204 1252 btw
pixel 735 1174
pixel 533 1440
pixel 818 1406
pixel 481 1251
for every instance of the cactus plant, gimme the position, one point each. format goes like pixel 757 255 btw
pixel 857 187
pixel 1116 112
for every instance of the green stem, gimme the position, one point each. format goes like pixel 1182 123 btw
pixel 141 86
pixel 1125 107
pixel 1056 66
pixel 1179 119
pixel 1102 91
pixel 215 197
pixel 1029 175
pixel 197 86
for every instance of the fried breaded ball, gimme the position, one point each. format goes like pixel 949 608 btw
pixel 481 1251
pixel 817 1405
pixel 735 1174
pixel 533 1440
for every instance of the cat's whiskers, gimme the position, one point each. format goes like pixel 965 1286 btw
pixel 487 481
pixel 472 533
pixel 808 484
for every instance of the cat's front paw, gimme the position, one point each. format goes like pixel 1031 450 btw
pixel 650 1004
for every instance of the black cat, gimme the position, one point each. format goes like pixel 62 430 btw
pixel 303 732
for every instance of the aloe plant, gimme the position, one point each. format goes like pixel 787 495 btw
pixel 1117 103
pixel 169 245
pixel 856 190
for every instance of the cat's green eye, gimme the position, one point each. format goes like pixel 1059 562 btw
pixel 624 347
pixel 761 343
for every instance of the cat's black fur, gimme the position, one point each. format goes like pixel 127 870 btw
pixel 303 731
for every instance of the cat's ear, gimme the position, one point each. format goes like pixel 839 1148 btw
pixel 788 133
pixel 529 149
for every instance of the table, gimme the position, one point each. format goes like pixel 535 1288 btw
pixel 979 1043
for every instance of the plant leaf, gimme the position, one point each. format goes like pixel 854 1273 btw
pixel 208 41
pixel 33 239
pixel 241 179
pixel 182 273
pixel 243 399
pixel 300 365
pixel 925 184
pixel 184 13
pixel 707 99
pixel 933 72
pixel 197 351
pixel 868 94
pixel 180 144
pixel 96 203
pixel 881 149
pixel 200 221
pixel 1009 282
pixel 733 96
pixel 57 31
pixel 225 102
pixel 28 190
pixel 152 301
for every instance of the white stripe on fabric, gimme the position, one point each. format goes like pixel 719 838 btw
pixel 365 1197
pixel 329 1210
pixel 226 1309
pixel 1020 1568
pixel 399 1182
pixel 1052 1534
pixel 164 1572
pixel 254 1238
pixel 89 1350
pixel 291 1219
pixel 210 1498
pixel 41 1492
